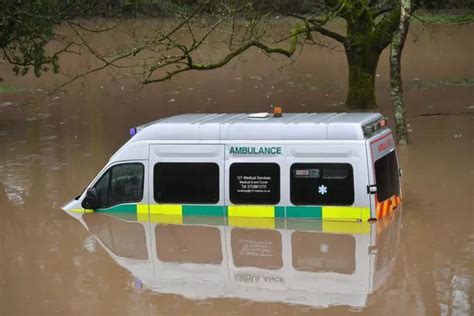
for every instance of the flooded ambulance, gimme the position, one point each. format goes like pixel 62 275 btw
pixel 336 166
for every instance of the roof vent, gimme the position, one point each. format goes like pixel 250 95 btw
pixel 260 115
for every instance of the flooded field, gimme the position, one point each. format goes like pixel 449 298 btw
pixel 52 146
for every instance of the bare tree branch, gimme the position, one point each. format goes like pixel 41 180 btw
pixel 336 36
pixel 92 30
pixel 133 52
pixel 226 59
pixel 317 26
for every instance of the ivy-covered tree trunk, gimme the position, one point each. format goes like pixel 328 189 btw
pixel 366 38
pixel 396 88
pixel 362 72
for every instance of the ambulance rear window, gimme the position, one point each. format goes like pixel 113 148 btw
pixel 179 183
pixel 321 184
pixel 386 176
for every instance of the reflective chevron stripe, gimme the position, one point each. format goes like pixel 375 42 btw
pixel 387 206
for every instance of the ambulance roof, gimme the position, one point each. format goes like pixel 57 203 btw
pixel 291 126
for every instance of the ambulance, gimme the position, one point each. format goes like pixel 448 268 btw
pixel 330 166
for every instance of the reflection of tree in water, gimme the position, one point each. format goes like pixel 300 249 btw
pixel 3 196
pixel 46 267
pixel 454 285
pixel 425 280
pixel 14 177
pixel 45 263
pixel 437 277
pixel 60 146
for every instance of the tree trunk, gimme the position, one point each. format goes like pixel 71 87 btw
pixel 362 68
pixel 366 38
pixel 396 85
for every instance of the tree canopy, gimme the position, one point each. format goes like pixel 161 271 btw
pixel 368 29
pixel 365 30
pixel 25 29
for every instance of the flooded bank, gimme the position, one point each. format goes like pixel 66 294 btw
pixel 52 147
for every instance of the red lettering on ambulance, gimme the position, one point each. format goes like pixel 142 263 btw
pixel 385 145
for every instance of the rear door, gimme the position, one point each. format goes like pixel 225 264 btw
pixel 385 174
pixel 186 180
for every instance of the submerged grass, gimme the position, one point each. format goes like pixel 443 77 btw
pixel 433 84
pixel 11 90
pixel 441 17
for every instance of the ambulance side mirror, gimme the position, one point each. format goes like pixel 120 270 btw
pixel 91 200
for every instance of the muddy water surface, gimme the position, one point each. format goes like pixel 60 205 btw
pixel 51 147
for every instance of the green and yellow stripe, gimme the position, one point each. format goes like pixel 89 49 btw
pixel 329 219
pixel 347 213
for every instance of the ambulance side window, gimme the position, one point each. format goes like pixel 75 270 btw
pixel 102 188
pixel 254 183
pixel 186 182
pixel 386 177
pixel 121 184
pixel 321 184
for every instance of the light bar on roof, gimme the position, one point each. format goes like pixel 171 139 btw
pixel 374 127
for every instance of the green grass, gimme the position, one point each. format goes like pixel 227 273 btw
pixel 433 84
pixel 441 17
pixel 11 90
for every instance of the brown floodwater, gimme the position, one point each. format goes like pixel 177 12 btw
pixel 420 263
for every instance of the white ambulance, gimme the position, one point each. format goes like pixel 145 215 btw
pixel 337 166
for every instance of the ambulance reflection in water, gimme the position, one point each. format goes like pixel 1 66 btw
pixel 313 263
